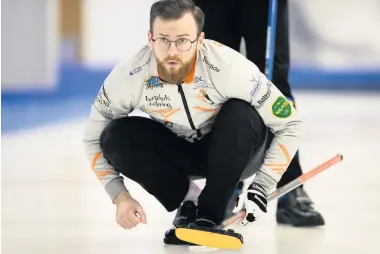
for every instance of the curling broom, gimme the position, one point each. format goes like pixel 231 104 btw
pixel 217 237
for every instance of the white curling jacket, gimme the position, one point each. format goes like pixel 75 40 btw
pixel 218 74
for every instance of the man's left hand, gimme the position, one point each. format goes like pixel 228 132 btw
pixel 255 203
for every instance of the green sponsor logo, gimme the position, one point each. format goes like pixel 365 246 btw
pixel 281 108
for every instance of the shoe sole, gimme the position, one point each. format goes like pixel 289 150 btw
pixel 302 223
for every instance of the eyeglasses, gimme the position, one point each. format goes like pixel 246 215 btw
pixel 182 44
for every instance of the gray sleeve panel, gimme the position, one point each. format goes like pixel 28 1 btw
pixel 115 186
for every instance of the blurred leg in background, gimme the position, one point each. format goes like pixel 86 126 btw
pixel 229 21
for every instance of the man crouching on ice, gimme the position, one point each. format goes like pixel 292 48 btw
pixel 213 115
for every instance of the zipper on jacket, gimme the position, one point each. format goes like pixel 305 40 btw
pixel 180 90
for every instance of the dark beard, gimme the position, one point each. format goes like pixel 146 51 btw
pixel 173 77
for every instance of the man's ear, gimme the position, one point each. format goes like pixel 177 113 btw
pixel 150 37
pixel 201 40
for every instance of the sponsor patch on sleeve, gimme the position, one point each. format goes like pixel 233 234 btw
pixel 266 94
pixel 257 87
pixel 103 104
pixel 281 108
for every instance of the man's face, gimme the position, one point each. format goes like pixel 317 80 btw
pixel 174 59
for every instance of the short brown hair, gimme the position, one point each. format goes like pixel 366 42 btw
pixel 175 9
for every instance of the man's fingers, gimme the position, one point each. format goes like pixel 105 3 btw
pixel 127 223
pixel 130 215
pixel 122 224
pixel 131 223
pixel 142 214
pixel 133 217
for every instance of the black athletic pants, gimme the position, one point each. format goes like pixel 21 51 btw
pixel 228 21
pixel 150 154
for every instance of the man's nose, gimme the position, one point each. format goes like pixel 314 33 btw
pixel 172 49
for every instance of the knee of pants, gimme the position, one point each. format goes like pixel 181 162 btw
pixel 238 117
pixel 242 118
pixel 122 135
pixel 256 158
